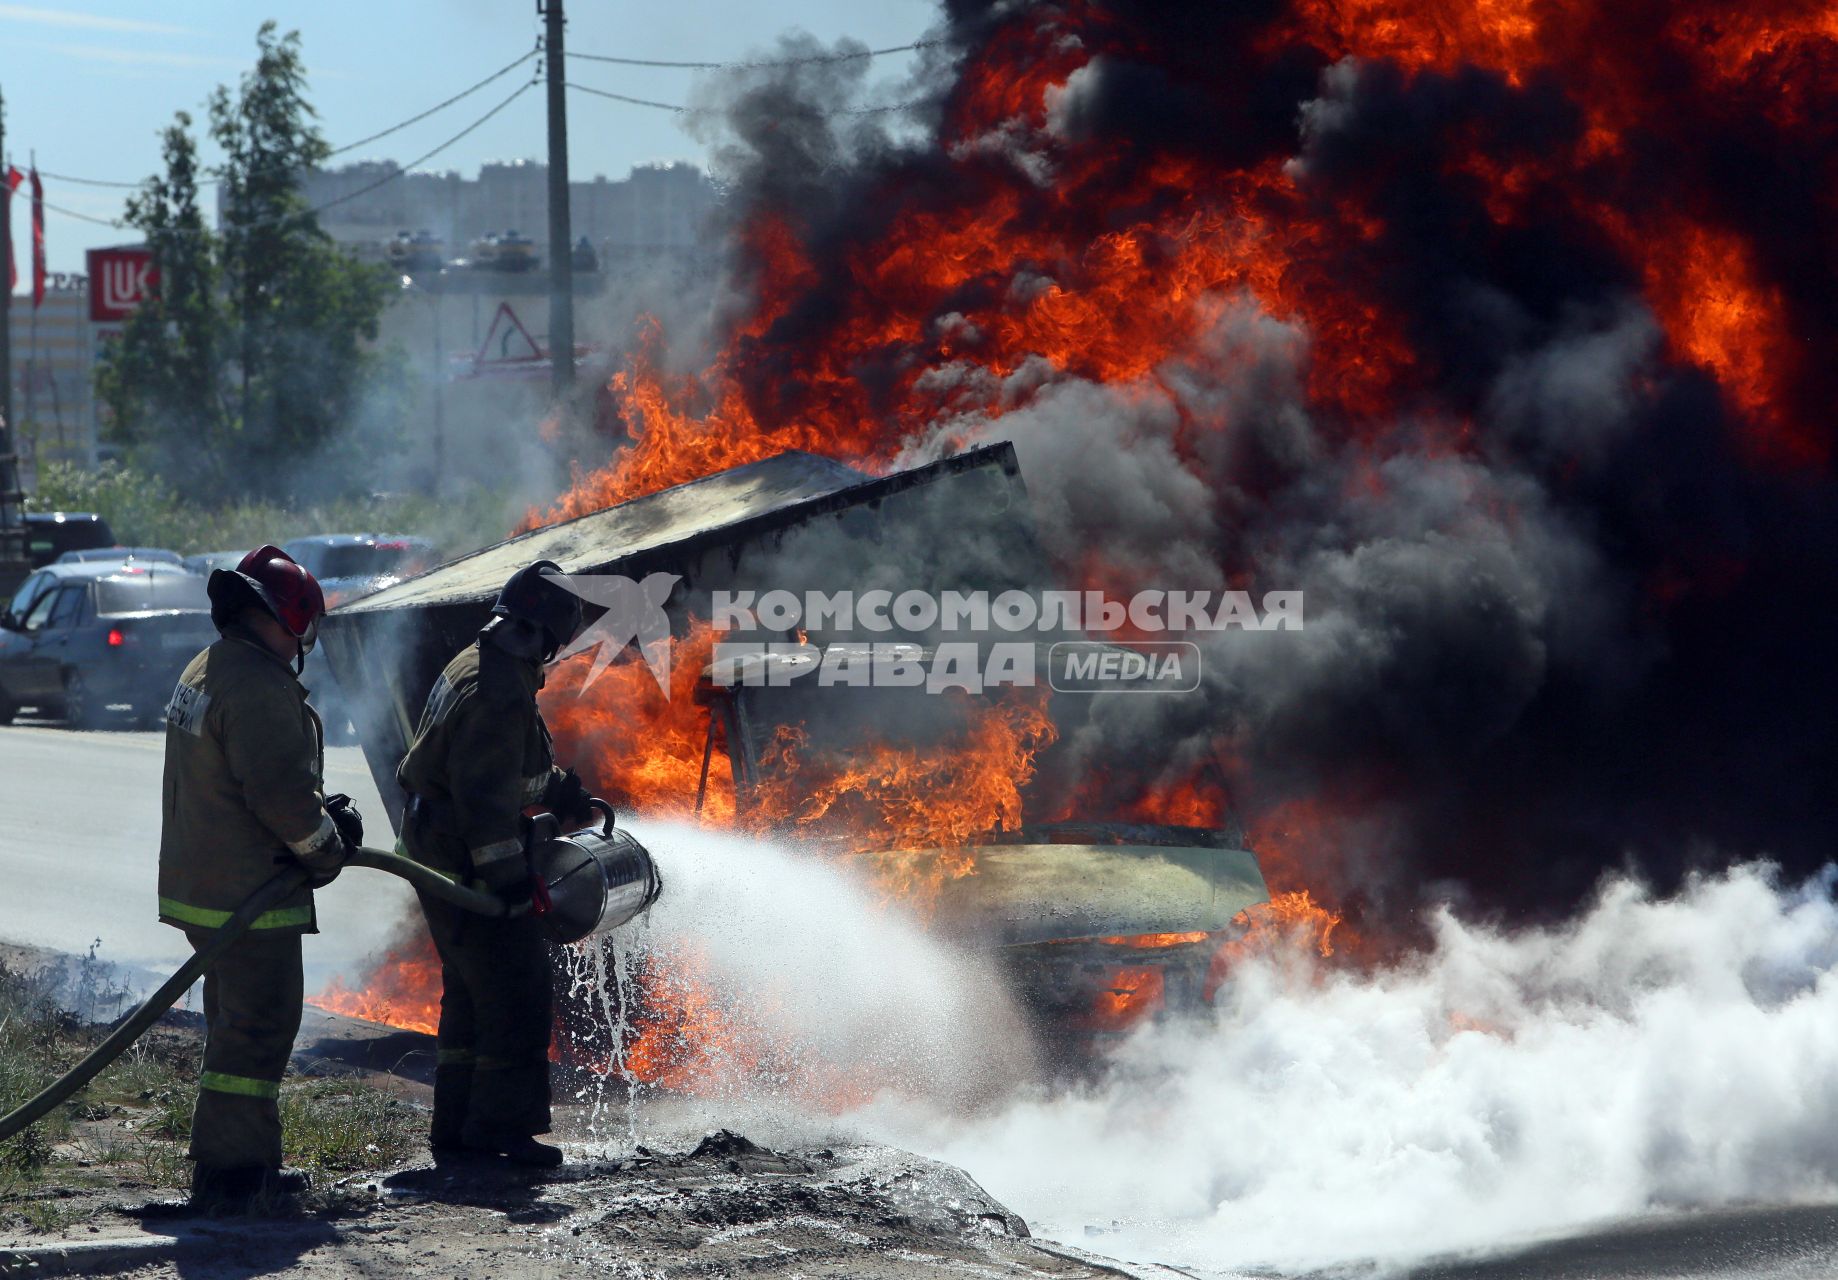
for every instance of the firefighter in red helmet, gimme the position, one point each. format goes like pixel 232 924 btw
pixel 243 791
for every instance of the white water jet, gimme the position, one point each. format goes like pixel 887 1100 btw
pixel 829 997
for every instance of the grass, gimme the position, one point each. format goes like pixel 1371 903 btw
pixel 132 1123
pixel 340 1126
pixel 145 510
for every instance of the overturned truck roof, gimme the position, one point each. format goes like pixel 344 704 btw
pixel 1067 905
pixel 387 648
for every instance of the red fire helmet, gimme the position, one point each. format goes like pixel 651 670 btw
pixel 284 588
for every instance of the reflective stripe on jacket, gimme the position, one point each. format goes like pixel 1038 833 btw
pixel 481 755
pixel 245 759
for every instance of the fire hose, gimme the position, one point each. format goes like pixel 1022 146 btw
pixel 593 880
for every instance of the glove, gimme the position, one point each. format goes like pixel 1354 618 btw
pixel 324 866
pixel 323 876
pixel 347 819
pixel 566 796
pixel 509 881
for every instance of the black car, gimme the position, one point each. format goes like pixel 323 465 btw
pixel 49 534
pixel 94 638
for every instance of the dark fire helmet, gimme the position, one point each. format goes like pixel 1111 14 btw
pixel 536 595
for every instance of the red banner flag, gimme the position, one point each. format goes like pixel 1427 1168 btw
pixel 13 179
pixel 38 240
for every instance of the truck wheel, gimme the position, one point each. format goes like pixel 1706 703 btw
pixel 80 708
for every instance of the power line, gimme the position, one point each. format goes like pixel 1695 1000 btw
pixel 439 106
pixel 680 109
pixel 336 151
pixel 507 68
pixel 400 172
pixel 749 64
pixel 83 217
pixel 630 101
pixel 403 171
pixel 87 182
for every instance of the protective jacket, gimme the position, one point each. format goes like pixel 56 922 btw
pixel 481 755
pixel 243 787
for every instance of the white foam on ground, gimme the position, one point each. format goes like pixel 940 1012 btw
pixel 1501 1086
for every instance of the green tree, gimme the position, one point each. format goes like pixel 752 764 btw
pixel 271 317
pixel 162 380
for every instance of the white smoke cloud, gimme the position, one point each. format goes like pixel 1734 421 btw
pixel 1501 1086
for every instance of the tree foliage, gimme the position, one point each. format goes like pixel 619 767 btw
pixel 163 379
pixel 252 361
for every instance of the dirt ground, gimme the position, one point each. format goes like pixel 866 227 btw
pixel 725 1207
pixel 691 1202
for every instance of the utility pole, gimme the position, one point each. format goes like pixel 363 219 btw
pixel 13 563
pixel 561 235
pixel 440 396
pixel 6 313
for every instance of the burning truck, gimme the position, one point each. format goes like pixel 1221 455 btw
pixel 1096 922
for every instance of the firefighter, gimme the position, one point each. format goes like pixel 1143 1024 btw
pixel 480 758
pixel 243 791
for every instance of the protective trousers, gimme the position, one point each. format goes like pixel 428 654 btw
pixel 492 1081
pixel 252 1000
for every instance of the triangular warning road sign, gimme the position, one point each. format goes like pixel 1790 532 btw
pixel 507 341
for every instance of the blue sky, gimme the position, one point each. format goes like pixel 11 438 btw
pixel 88 83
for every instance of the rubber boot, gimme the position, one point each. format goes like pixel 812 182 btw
pixel 452 1096
pixel 523 1151
pixel 240 1189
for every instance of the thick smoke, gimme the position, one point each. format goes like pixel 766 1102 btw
pixel 1559 614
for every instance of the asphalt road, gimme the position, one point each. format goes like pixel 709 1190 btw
pixel 1795 1242
pixel 79 853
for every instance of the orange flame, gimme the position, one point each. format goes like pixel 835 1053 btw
pixel 402 990
pixel 1147 941
pixel 684 1036
pixel 1291 923
pixel 1126 999
pixel 639 743
pixel 901 796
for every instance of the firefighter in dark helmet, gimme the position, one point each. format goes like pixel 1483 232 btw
pixel 482 757
pixel 242 792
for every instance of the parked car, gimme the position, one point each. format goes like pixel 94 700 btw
pixel 94 638
pixel 347 564
pixel 93 555
pixel 204 561
pixel 26 594
pixel 36 583
pixel 49 534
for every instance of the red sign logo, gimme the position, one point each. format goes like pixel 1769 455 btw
pixel 118 280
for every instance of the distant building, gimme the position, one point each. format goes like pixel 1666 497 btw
pixel 657 210
pixel 54 356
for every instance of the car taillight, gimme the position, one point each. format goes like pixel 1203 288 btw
pixel 116 638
